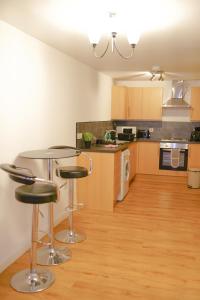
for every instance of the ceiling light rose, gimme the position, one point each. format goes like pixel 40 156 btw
pixel 94 40
pixel 157 75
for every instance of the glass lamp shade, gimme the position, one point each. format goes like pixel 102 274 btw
pixel 94 37
pixel 133 37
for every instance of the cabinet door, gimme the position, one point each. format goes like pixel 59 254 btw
pixel 133 160
pixel 195 103
pixel 119 102
pixel 194 156
pixel 134 96
pixel 99 190
pixel 152 103
pixel 148 158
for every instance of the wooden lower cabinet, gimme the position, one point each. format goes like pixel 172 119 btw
pixel 148 158
pixel 133 160
pixel 194 156
pixel 99 191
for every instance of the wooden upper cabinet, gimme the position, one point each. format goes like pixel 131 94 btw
pixel 195 103
pixel 119 102
pixel 134 96
pixel 152 103
pixel 144 103
pixel 194 156
pixel 136 103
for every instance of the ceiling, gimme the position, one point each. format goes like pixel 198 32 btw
pixel 169 37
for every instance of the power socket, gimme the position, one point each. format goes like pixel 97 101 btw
pixel 151 130
pixel 79 135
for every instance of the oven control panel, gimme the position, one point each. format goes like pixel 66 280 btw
pixel 165 145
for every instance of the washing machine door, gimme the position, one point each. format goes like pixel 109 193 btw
pixel 126 170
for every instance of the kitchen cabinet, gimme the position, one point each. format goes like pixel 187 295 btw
pixel 134 100
pixel 99 191
pixel 195 103
pixel 133 160
pixel 144 103
pixel 152 103
pixel 119 102
pixel 148 158
pixel 194 156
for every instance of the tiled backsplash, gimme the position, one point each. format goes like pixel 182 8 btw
pixel 160 129
pixel 97 128
pixel 163 129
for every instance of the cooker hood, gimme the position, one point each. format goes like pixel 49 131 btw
pixel 179 90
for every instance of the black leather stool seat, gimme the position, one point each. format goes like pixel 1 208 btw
pixel 36 193
pixel 72 172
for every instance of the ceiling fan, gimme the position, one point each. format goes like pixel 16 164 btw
pixel 156 74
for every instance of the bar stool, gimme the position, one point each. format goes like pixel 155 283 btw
pixel 34 191
pixel 70 173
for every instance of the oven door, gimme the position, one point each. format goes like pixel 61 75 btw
pixel 165 160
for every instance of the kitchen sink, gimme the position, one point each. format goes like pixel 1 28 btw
pixel 107 145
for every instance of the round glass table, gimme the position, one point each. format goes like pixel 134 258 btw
pixel 51 255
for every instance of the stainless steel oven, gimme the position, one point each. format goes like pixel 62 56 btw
pixel 173 156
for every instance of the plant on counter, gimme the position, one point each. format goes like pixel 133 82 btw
pixel 87 137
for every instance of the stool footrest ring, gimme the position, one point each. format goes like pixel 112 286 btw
pixel 74 207
pixel 70 237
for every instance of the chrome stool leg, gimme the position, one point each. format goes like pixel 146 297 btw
pixel 50 255
pixel 34 279
pixel 70 236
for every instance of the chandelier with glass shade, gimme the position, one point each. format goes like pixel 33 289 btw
pixel 112 42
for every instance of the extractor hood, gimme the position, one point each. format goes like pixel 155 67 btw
pixel 179 90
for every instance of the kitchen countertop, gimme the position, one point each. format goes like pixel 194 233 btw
pixel 106 149
pixel 120 147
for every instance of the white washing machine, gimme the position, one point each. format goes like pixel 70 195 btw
pixel 125 171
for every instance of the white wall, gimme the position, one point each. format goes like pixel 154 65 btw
pixel 42 94
pixel 169 114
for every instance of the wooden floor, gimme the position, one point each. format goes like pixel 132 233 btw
pixel 148 249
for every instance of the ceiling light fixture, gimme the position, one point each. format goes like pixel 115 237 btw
pixel 157 75
pixel 132 40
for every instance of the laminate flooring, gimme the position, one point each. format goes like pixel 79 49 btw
pixel 148 249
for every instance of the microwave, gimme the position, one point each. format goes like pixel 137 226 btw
pixel 126 129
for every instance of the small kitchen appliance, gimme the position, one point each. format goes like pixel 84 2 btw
pixel 110 135
pixel 143 133
pixel 126 133
pixel 195 134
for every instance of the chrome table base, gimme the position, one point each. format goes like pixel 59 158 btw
pixel 48 256
pixel 32 282
pixel 70 237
